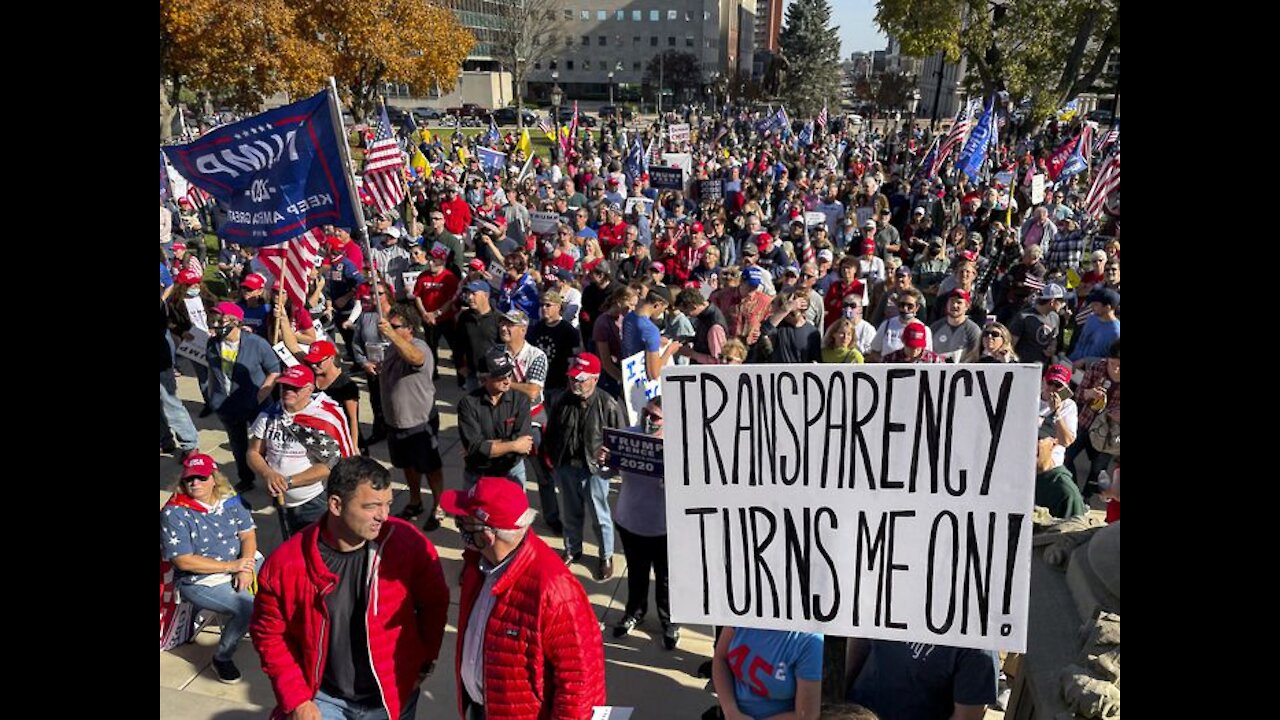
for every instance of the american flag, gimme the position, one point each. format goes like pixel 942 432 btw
pixel 545 126
pixel 822 118
pixel 957 134
pixel 323 428
pixel 1112 136
pixel 291 260
pixel 197 197
pixel 1107 182
pixel 384 168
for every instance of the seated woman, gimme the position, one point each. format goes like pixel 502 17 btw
pixel 762 674
pixel 210 538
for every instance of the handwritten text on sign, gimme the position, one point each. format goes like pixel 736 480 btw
pixel 877 501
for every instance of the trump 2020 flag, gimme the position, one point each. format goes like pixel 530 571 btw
pixel 492 161
pixel 278 174
pixel 975 150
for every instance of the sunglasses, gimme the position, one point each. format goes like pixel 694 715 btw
pixel 198 478
pixel 398 327
pixel 992 334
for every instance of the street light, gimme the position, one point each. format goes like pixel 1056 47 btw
pixel 611 87
pixel 556 96
pixel 913 101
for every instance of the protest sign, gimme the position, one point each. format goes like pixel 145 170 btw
pixel 1037 188
pixel 666 178
pixel 285 356
pixel 874 501
pixel 645 205
pixel 678 132
pixel 684 161
pixel 194 348
pixel 813 219
pixel 410 278
pixel 544 222
pixel 709 190
pixel 864 214
pixel 195 311
pixel 634 453
pixel 637 388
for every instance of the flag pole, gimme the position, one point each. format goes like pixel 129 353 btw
pixel 354 199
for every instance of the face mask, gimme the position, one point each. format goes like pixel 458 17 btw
pixel 906 316
pixel 222 331
pixel 193 292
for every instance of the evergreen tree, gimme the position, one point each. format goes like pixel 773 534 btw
pixel 812 51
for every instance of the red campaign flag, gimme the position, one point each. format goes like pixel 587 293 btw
pixel 291 261
pixel 1059 158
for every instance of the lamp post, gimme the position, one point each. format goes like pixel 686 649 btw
pixel 611 87
pixel 913 102
pixel 556 96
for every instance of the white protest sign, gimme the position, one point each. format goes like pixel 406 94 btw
pixel 644 203
pixel 1037 188
pixel 873 501
pixel 544 222
pixel 285 356
pixel 319 328
pixel 812 218
pixel 684 161
pixel 194 349
pixel 678 133
pixel 637 388
pixel 195 311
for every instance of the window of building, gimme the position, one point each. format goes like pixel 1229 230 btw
pixel 653 15
pixel 688 41
pixel 537 65
pixel 671 41
pixel 622 15
pixel 552 65
pixel 635 39
pixel 586 40
pixel 653 41
pixel 688 16
pixel 586 64
pixel 617 41
pixel 636 66
pixel 551 14
pixel 537 41
pixel 568 64
pixel 584 15
pixel 568 14
pixel 706 43
pixel 568 41
pixel 673 14
pixel 637 15
pixel 603 40
pixel 706 15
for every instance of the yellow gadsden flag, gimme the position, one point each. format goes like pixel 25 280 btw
pixel 419 162
pixel 525 145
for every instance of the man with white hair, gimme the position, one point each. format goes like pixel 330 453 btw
pixel 1038 229
pixel 528 640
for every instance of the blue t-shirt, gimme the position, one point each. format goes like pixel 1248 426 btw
pixel 255 318
pixel 639 333
pixel 918 681
pixel 1096 338
pixel 341 278
pixel 166 278
pixel 766 665
pixel 214 534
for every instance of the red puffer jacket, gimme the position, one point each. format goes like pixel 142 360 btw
pixel 408 601
pixel 543 652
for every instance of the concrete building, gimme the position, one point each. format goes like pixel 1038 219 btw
pixel 941 95
pixel 623 36
pixel 768 26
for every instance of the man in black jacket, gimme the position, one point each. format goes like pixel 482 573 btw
pixel 494 423
pixel 573 443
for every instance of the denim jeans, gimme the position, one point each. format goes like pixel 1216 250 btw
pixel 577 486
pixel 332 708
pixel 515 474
pixel 297 518
pixel 176 417
pixel 223 599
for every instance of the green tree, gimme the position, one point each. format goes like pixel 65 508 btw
pixel 677 71
pixel 1048 50
pixel 811 47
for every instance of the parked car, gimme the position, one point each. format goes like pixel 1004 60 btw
pixel 566 117
pixel 608 111
pixel 507 116
pixel 397 116
pixel 1102 117
pixel 426 113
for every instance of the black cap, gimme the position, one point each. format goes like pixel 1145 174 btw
pixel 498 362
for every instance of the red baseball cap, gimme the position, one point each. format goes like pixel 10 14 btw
pixel 253 281
pixel 297 376
pixel 334 242
pixel 659 267
pixel 1059 374
pixel 476 264
pixel 869 246
pixel 585 364
pixel 697 226
pixel 229 308
pixel 189 277
pixel 320 350
pixel 913 335
pixel 495 501
pixel 960 293
pixel 198 465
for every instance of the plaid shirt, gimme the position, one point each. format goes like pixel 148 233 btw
pixel 1065 251
pixel 1093 378
pixel 748 314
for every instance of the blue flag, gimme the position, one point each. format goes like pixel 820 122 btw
pixel 975 149
pixel 1075 164
pixel 492 137
pixel 806 133
pixel 279 174
pixel 926 165
pixel 636 164
pixel 164 180
pixel 776 121
pixel 492 161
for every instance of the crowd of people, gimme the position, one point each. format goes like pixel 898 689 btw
pixel 837 249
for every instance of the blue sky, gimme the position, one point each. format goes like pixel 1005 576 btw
pixel 856 19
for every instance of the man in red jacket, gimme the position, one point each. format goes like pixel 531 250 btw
pixel 350 612
pixel 529 644
pixel 457 213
